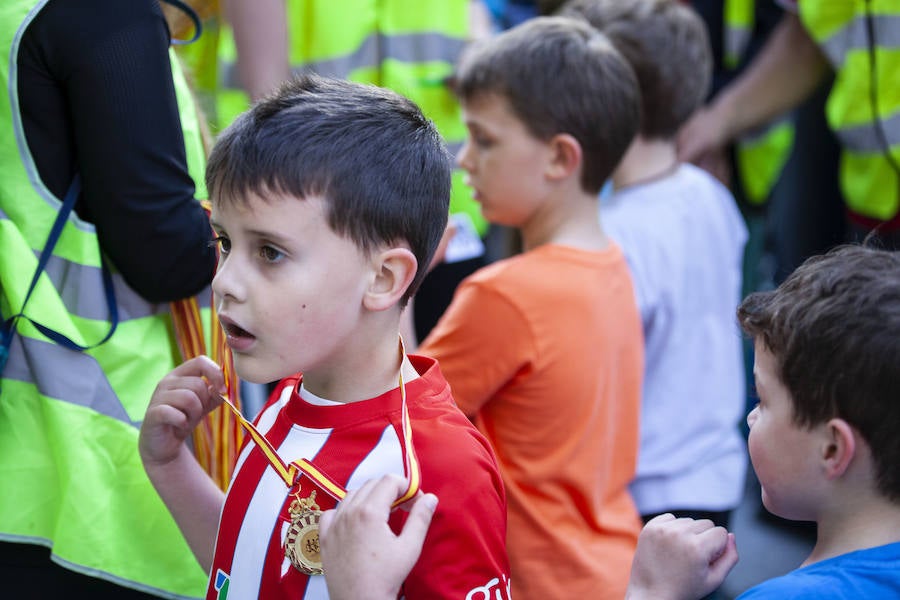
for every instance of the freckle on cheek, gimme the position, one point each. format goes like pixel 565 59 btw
pixel 304 306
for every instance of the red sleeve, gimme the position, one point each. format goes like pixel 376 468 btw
pixel 481 343
pixel 465 549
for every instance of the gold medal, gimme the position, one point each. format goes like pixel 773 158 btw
pixel 301 544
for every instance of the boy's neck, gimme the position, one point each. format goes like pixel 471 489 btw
pixel 368 367
pixel 646 160
pixel 569 218
pixel 859 521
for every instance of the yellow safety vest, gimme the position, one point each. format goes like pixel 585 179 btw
pixel 760 155
pixel 404 45
pixel 70 475
pixel 863 108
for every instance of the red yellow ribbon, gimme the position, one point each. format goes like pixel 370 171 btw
pixel 290 472
pixel 218 437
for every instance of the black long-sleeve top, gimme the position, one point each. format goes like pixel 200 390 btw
pixel 96 95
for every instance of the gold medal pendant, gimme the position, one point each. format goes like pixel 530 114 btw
pixel 301 544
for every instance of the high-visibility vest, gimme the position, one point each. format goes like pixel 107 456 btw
pixel 408 46
pixel 760 155
pixel 70 474
pixel 863 108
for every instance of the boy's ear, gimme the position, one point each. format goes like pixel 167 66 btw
pixel 839 448
pixel 394 270
pixel 566 156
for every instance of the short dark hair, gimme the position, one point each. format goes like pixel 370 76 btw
pixel 380 165
pixel 833 327
pixel 667 45
pixel 560 76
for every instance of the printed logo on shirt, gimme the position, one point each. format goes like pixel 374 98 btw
pixel 221 584
pixel 483 592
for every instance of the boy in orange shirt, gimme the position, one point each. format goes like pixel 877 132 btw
pixel 544 349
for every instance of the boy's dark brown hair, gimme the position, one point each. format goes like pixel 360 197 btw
pixel 380 165
pixel 560 76
pixel 667 45
pixel 834 329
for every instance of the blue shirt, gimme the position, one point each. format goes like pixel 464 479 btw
pixel 869 573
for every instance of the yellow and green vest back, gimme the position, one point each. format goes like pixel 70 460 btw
pixel 861 39
pixel 405 45
pixel 70 475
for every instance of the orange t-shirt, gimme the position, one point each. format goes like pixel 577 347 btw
pixel 545 350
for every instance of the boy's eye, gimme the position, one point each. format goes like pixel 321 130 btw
pixel 270 254
pixel 222 242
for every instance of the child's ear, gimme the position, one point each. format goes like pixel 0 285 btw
pixel 839 448
pixel 394 270
pixel 565 158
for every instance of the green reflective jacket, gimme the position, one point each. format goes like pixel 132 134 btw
pixel 760 156
pixel 861 39
pixel 408 46
pixel 70 475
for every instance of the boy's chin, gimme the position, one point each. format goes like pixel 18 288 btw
pixel 783 512
pixel 253 373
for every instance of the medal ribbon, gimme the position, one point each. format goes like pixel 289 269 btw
pixel 217 437
pixel 289 472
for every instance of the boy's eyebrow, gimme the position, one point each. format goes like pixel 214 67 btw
pixel 269 235
pixel 259 233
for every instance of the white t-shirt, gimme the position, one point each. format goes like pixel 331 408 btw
pixel 684 238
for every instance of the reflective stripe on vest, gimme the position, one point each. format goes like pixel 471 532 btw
pixel 40 362
pixel 760 156
pixel 854 35
pixel 866 139
pixel 68 420
pixel 407 48
pixel 739 21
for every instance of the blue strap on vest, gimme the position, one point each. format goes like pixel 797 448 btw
pixel 8 327
pixel 192 14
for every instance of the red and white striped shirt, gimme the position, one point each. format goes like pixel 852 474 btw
pixel 464 556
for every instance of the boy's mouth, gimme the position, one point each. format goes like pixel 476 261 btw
pixel 236 336
pixel 236 331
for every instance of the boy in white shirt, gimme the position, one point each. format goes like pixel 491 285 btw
pixel 683 238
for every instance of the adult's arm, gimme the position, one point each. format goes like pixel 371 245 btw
pixel 261 39
pixel 98 98
pixel 787 70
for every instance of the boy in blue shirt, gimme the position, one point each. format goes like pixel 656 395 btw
pixel 823 438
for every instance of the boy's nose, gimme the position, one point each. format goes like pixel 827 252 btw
pixel 225 284
pixel 463 158
pixel 752 416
